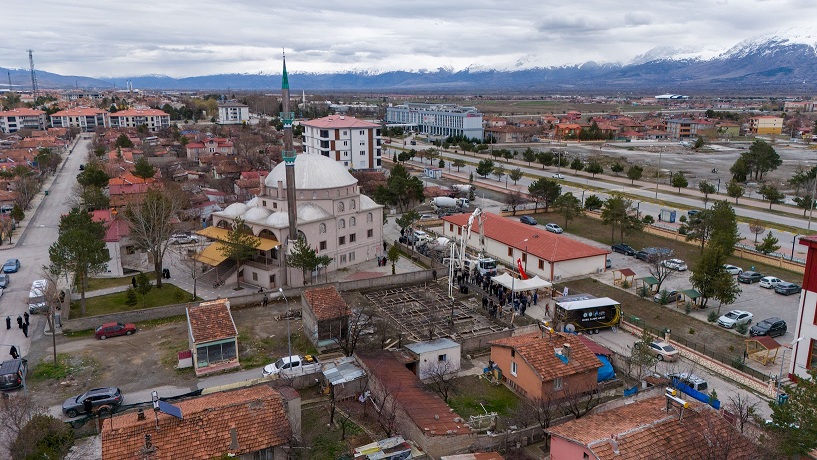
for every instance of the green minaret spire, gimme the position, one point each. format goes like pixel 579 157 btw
pixel 285 78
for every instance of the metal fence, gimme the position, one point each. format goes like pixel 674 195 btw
pixel 777 255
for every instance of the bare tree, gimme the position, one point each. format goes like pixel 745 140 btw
pixel 15 412
pixel 440 377
pixel 360 322
pixel 757 228
pixel 743 410
pixel 579 402
pixel 641 359
pixel 658 270
pixel 187 262
pixel 514 200
pixel 387 410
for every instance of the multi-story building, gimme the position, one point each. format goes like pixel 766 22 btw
pixel 352 142
pixel 233 113
pixel 209 146
pixel 16 119
pixel 798 106
pixel 766 124
pixel 84 118
pixel 154 119
pixel 441 120
pixel 804 352
pixel 682 128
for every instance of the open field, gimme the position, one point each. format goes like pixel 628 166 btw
pixel 116 302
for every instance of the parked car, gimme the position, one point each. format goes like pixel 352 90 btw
pixel 732 270
pixel 662 350
pixel 11 266
pixel 735 318
pixel 749 277
pixel 4 280
pixel 427 217
pixel 653 254
pixel 102 399
pixel 693 212
pixel 622 248
pixel 557 176
pixel 786 288
pixel 291 366
pixel 114 329
pixel 675 264
pixel 183 238
pixel 773 327
pixel 12 373
pixel 554 228
pixel 672 296
pixel 770 282
pixel 687 378
pixel 528 220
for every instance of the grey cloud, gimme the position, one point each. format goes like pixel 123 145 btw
pixel 637 18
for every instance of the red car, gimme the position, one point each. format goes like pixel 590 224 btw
pixel 114 329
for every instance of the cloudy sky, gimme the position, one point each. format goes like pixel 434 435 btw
pixel 198 37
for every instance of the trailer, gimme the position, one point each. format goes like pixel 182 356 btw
pixel 586 313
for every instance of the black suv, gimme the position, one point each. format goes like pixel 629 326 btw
pixel 101 399
pixel 773 327
pixel 622 248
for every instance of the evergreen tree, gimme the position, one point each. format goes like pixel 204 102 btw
pixel 568 206
pixel 734 190
pixel 240 245
pixel 143 169
pixel 771 194
pixel 515 175
pixel 679 181
pixel 634 173
pixel 616 168
pixel 795 422
pixel 594 167
pixel 768 245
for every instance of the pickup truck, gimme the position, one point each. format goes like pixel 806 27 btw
pixel 293 366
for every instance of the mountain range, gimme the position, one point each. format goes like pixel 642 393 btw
pixel 780 63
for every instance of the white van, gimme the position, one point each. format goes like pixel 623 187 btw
pixel 38 297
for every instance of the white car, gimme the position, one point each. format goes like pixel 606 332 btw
pixel 183 238
pixel 553 228
pixel 770 282
pixel 735 318
pixel 732 270
pixel 675 264
pixel 557 176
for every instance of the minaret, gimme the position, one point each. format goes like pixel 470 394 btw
pixel 288 155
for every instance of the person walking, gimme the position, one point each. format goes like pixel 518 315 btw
pixel 547 309
pixel 535 297
pixel 26 318
pixel 19 321
pixel 265 301
pixel 25 329
pixel 13 352
pixel 133 281
pixel 434 273
pixel 8 322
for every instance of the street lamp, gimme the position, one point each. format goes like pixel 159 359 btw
pixel 526 255
pixel 582 198
pixel 638 210
pixel 783 360
pixel 719 185
pixel 658 175
pixel 792 245
pixel 289 340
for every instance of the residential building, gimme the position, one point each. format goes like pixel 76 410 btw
pixel 128 189
pixel 352 142
pixel 325 316
pixel 439 120
pixel 798 106
pixel 246 424
pixel 547 366
pixel 14 120
pixel 84 118
pixel 767 124
pixel 209 146
pixel 685 128
pixel 122 251
pixel 542 253
pixel 212 337
pixel 233 113
pixel 568 130
pixel 436 358
pixel 804 353
pixel 655 427
pixel 154 119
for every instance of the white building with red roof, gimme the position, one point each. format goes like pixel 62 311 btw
pixel 84 118
pixel 154 119
pixel 352 142
pixel 14 120
pixel 550 256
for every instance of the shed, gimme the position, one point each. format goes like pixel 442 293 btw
pixel 436 357
pixel 692 295
pixel 622 275
pixel 325 316
pixel 212 337
pixel 344 377
pixel 648 282
pixel 762 349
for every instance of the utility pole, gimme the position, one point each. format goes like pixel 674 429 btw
pixel 33 75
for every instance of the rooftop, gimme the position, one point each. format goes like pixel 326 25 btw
pixel 209 321
pixel 326 303
pixel 339 122
pixel 539 352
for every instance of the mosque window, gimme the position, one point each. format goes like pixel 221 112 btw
pixel 342 223
pixel 314 195
pixel 352 221
pixel 369 217
pixel 352 204
pixel 322 228
pixel 340 206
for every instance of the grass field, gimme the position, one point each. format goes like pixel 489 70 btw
pixel 104 283
pixel 112 303
pixel 472 393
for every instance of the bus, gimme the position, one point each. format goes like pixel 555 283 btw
pixel 586 313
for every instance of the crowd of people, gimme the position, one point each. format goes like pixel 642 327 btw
pixel 498 301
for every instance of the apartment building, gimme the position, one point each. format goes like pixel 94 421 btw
pixel 352 142
pixel 440 120
pixel 84 118
pixel 154 119
pixel 233 113
pixel 767 124
pixel 14 120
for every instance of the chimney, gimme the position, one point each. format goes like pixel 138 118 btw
pixel 566 351
pixel 614 445
pixel 233 439
pixel 140 415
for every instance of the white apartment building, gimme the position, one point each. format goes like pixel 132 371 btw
pixel 233 113
pixel 14 120
pixel 352 142
pixel 154 119
pixel 440 120
pixel 84 118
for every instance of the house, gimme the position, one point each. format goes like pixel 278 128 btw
pixel 436 358
pixel 344 378
pixel 546 366
pixel 128 189
pixel 123 252
pixel 354 143
pixel 655 427
pixel 209 146
pixel 212 337
pixel 767 124
pixel 798 106
pixel 325 316
pixel 233 113
pixel 474 456
pixel 14 120
pixel 246 424
pixel 568 130
pixel 548 255
pixel 153 119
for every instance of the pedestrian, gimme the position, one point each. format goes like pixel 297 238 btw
pixel 547 309
pixel 25 329
pixel 25 318
pixel 384 246
pixel 265 301
pixel 434 273
pixel 19 321
pixel 88 406
pixel 13 352
pixel 522 309
pixel 133 281
pixel 8 322
pixel 535 297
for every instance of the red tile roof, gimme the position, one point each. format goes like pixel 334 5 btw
pixel 544 245
pixel 79 112
pixel 21 112
pixel 427 410
pixel 139 113
pixel 210 321
pixel 593 346
pixel 539 353
pixel 326 303
pixel 645 429
pixel 339 122
pixel 256 416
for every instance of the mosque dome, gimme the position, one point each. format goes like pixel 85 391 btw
pixel 278 219
pixel 309 212
pixel 312 172
pixel 235 210
pixel 256 214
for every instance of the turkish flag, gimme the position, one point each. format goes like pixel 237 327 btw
pixel 522 273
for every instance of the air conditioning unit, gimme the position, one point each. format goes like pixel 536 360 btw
pixel 557 277
pixel 599 270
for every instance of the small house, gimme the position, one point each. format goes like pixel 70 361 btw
pixel 212 337
pixel 325 316
pixel 435 357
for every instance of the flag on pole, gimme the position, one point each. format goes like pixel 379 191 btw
pixel 522 273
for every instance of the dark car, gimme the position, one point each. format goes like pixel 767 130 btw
pixel 114 329
pixel 622 248
pixel 672 296
pixel 12 373
pixel 772 327
pixel 750 277
pixel 101 399
pixel 787 288
pixel 4 280
pixel 528 220
pixel 693 212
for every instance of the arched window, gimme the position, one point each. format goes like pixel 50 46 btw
pixel 322 228
pixel 352 204
pixel 369 217
pixel 352 221
pixel 314 195
pixel 341 223
pixel 340 206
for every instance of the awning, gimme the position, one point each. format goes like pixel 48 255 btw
pixel 691 293
pixel 220 234
pixel 212 255
pixel 519 285
pixel 649 280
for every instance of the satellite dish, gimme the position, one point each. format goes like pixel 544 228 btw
pixel 570 328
